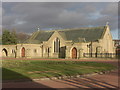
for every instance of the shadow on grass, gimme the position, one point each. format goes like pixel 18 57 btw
pixel 91 83
pixel 26 82
pixel 23 82
pixel 9 75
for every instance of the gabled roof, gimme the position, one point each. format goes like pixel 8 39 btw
pixel 40 36
pixel 76 35
pixel 87 34
pixel 43 36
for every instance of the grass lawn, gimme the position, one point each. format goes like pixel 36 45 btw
pixel 28 69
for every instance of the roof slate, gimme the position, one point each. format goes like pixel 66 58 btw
pixel 43 36
pixel 90 34
pixel 76 35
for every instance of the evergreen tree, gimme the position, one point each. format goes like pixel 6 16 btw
pixel 14 37
pixel 9 38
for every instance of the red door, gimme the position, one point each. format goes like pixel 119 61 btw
pixel 74 53
pixel 23 52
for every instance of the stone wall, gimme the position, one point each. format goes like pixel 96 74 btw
pixel 46 48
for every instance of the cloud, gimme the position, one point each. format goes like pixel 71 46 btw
pixel 27 16
pixel 110 9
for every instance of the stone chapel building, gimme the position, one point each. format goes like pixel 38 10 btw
pixel 66 43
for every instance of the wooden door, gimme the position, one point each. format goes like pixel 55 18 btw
pixel 74 53
pixel 23 52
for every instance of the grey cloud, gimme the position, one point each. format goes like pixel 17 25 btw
pixel 110 9
pixel 0 18
pixel 28 16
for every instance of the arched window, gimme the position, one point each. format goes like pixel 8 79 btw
pixel 56 45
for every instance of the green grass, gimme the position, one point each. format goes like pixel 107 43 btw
pixel 28 69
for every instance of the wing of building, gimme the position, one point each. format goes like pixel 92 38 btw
pixel 66 43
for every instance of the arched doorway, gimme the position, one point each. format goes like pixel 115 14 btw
pixel 98 51
pixel 74 53
pixel 23 52
pixel 4 52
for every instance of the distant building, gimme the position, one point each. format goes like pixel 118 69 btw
pixel 117 47
pixel 116 43
pixel 66 43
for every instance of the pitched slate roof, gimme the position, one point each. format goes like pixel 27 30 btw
pixel 76 35
pixel 40 36
pixel 87 34
pixel 43 36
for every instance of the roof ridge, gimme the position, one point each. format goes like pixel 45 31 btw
pixel 67 29
pixel 73 29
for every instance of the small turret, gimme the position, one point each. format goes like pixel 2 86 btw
pixel 107 23
pixel 38 29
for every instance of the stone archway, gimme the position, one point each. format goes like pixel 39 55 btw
pixel 74 53
pixel 4 53
pixel 23 52
pixel 98 51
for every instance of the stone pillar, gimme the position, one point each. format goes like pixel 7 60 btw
pixel 78 54
pixel 67 52
pixel 8 52
pixel 81 53
pixel 28 53
pixel 18 51
pixel 103 54
pixel 55 55
pixel 98 51
pixel 45 55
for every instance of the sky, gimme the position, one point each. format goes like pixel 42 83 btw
pixel 29 16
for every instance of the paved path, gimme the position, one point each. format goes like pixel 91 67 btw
pixel 109 80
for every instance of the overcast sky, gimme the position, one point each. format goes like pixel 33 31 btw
pixel 28 16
